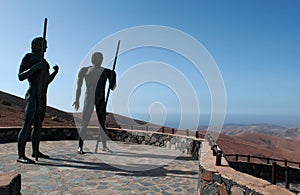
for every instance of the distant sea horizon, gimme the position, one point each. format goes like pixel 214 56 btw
pixel 173 120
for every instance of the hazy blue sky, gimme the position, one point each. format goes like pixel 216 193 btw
pixel 256 45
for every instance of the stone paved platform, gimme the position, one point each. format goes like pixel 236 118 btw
pixel 128 169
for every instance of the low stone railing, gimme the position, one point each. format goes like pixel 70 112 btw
pixel 186 144
pixel 10 183
pixel 212 182
pixel 217 177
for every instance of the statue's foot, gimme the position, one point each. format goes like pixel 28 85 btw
pixel 40 155
pixel 106 149
pixel 80 151
pixel 25 160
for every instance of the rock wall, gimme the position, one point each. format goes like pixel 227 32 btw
pixel 185 144
pixel 211 182
pixel 8 135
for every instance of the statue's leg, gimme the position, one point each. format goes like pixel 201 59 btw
pixel 36 133
pixel 86 116
pixel 24 133
pixel 101 114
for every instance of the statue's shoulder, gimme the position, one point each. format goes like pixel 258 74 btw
pixel 106 70
pixel 83 71
pixel 28 56
pixel 28 60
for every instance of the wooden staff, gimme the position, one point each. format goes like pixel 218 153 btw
pixel 42 57
pixel 114 66
pixel 108 92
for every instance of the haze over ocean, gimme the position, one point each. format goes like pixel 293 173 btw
pixel 239 119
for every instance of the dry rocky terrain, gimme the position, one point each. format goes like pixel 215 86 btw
pixel 258 140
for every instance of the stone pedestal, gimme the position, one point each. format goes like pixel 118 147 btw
pixel 10 183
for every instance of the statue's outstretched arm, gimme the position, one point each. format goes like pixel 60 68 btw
pixel 81 75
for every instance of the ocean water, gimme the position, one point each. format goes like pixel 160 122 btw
pixel 176 120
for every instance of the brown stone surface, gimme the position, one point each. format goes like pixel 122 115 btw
pixel 236 191
pixel 222 189
pixel 6 178
pixel 206 175
pixel 10 183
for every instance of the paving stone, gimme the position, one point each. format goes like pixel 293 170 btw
pixel 67 172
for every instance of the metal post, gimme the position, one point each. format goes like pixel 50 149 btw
pixel 219 158
pixel 248 158
pixel 237 157
pixel 285 162
pixel 274 167
pixel 214 150
pixel 268 160
pixel 287 177
pixel 209 140
pixel 163 129
pixel 173 131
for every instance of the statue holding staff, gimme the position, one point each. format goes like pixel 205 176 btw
pixel 35 69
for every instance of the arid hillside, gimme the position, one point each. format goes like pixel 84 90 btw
pixel 259 140
pixel 12 113
pixel 267 129
pixel 257 144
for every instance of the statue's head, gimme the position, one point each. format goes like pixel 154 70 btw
pixel 36 45
pixel 97 58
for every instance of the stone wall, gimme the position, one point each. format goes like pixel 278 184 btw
pixel 183 143
pixel 211 182
pixel 224 180
pixel 8 135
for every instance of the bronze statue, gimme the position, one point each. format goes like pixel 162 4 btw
pixel 35 69
pixel 95 78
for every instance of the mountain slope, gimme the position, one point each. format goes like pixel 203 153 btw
pixel 238 142
pixel 12 113
pixel 257 144
pixel 267 129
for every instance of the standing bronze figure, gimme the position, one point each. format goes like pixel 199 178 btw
pixel 95 78
pixel 35 69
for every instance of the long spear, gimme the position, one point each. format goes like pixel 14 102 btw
pixel 108 92
pixel 44 38
pixel 114 66
pixel 42 57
